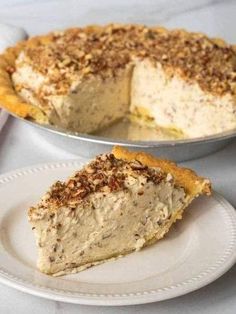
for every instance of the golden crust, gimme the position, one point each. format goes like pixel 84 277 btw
pixel 9 99
pixel 187 178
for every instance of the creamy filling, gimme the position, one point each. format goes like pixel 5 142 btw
pixel 106 225
pixel 153 97
pixel 89 106
pixel 173 103
pixel 94 103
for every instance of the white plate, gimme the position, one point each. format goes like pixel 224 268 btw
pixel 198 249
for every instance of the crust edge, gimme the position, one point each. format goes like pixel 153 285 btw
pixel 9 99
pixel 193 184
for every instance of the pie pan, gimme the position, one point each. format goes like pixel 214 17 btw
pixel 86 145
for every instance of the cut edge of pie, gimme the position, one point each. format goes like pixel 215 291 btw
pixel 77 226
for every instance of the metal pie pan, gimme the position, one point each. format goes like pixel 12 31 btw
pixel 88 146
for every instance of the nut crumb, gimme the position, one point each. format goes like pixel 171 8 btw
pixel 78 53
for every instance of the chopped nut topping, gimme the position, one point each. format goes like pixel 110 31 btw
pixel 104 174
pixel 82 52
pixel 10 69
pixel 140 193
pixel 51 259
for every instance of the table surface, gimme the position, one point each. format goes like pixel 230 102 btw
pixel 20 145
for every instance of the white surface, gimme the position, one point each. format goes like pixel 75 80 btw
pixel 10 35
pixel 194 253
pixel 20 146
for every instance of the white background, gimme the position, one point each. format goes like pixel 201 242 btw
pixel 21 146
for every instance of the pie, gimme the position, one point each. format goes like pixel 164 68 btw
pixel 118 203
pixel 85 79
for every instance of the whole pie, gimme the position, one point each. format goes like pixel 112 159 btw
pixel 118 203
pixel 84 79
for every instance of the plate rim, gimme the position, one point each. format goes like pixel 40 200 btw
pixel 211 273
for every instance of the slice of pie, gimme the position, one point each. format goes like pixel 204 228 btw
pixel 84 79
pixel 119 203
